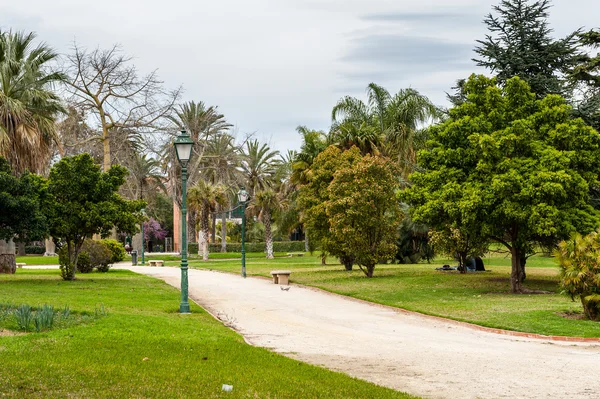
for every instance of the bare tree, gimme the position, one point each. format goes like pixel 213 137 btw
pixel 106 85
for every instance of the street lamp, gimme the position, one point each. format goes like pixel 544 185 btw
pixel 243 196
pixel 183 147
pixel 143 243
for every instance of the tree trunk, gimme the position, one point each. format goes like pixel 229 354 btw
pixel 347 261
pixel 191 225
pixel 204 228
pixel 590 308
pixel 21 247
pixel 268 236
pixel 223 232
pixel 50 247
pixel 8 260
pixel 106 149
pixel 214 229
pixel 522 274
pixel 306 243
pixel 515 275
pixel 462 259
pixel 323 259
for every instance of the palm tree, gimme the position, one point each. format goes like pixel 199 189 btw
pixel 266 202
pixel 144 170
pixel 396 119
pixel 28 105
pixel 28 109
pixel 222 158
pixel 204 198
pixel 259 165
pixel 201 122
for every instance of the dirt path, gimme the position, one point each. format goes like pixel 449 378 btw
pixel 424 357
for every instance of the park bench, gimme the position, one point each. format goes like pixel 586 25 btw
pixel 281 276
pixel 156 262
pixel 291 254
pixel 20 265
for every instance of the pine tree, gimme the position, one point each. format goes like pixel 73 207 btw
pixel 520 43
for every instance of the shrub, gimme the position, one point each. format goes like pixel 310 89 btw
pixel 35 250
pixel 99 254
pixel 84 263
pixel 236 247
pixel 117 250
pixel 66 269
pixel 193 247
pixel 578 259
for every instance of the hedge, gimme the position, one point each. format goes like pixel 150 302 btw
pixel 35 250
pixel 278 246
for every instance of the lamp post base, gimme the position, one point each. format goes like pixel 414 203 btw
pixel 184 308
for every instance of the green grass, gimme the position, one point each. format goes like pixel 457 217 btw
pixel 38 260
pixel 143 348
pixel 480 298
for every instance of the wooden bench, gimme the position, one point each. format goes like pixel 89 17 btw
pixel 281 276
pixel 20 265
pixel 156 262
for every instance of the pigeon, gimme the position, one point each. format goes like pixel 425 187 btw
pixel 284 288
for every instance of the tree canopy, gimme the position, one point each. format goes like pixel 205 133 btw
pixel 510 167
pixel 83 201
pixel 520 43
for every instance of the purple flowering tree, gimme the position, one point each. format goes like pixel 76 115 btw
pixel 153 230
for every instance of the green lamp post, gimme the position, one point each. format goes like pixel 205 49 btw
pixel 143 237
pixel 183 147
pixel 243 197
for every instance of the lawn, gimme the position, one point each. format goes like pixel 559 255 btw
pixel 142 348
pixel 480 298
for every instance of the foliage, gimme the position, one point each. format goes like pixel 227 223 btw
pixel 28 105
pixel 20 203
pixel 457 244
pixel 116 248
pixel 236 247
pixel 508 167
pixel 266 203
pixel 44 318
pixel 204 198
pixel 24 317
pixel 520 43
pixel 386 123
pixel 363 211
pixel 585 75
pixel 99 253
pixel 259 166
pixel 314 195
pixel 83 201
pixel 579 262
pixel 35 250
pixel 413 242
pixel 153 230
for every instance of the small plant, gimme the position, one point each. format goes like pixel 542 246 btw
pixel 100 311
pixel 578 259
pixel 24 316
pixel 65 312
pixel 44 318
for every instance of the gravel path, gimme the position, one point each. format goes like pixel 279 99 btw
pixel 422 356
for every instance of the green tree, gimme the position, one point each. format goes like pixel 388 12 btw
pixel 20 214
pixel 267 202
pixel 459 244
pixel 586 77
pixel 204 198
pixel 28 105
pixel 202 122
pixel 314 196
pixel 83 201
pixel 363 211
pixel 578 258
pixel 386 123
pixel 520 43
pixel 259 165
pixel 510 167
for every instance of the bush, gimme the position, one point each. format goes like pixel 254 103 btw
pixel 192 247
pixel 84 263
pixel 99 253
pixel 116 249
pixel 578 259
pixel 35 250
pixel 67 270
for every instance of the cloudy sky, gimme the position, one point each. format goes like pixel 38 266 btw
pixel 271 65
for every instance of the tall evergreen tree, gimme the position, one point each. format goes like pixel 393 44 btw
pixel 520 43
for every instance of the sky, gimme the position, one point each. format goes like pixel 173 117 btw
pixel 271 65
